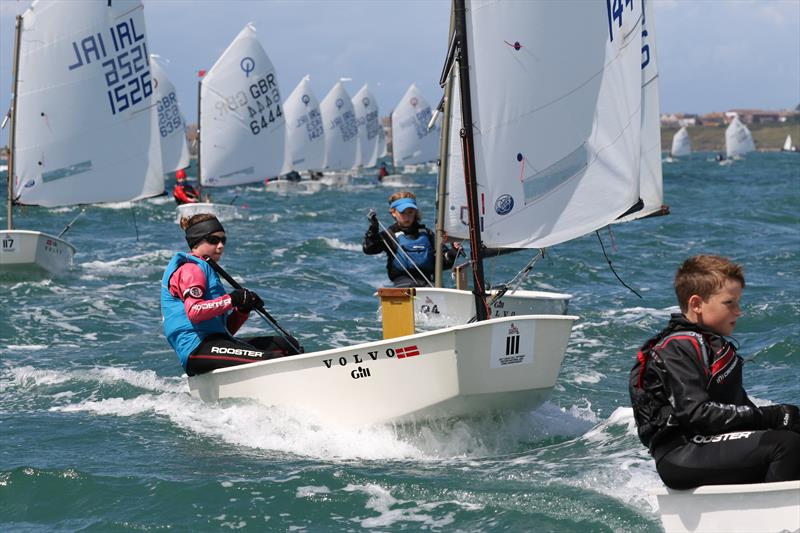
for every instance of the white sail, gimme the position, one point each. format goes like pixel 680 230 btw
pixel 305 134
pixel 456 218
pixel 366 110
pixel 171 124
pixel 412 141
pixel 381 148
pixel 681 144
pixel 84 132
pixel 341 129
pixel 787 145
pixel 651 180
pixel 738 140
pixel 557 151
pixel 241 118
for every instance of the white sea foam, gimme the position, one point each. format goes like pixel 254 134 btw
pixel 29 376
pixel 336 244
pixel 391 510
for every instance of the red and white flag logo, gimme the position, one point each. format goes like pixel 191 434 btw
pixel 408 351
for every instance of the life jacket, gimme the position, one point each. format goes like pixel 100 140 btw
pixel 182 334
pixel 418 251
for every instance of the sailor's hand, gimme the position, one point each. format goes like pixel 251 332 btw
pixel 782 416
pixel 245 300
pixel 373 220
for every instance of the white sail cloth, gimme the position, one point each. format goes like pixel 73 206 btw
pixel 412 141
pixel 171 124
pixel 241 117
pixel 341 129
pixel 83 129
pixel 558 153
pixel 305 134
pixel 365 108
pixel 681 144
pixel 738 140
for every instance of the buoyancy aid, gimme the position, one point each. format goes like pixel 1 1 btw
pixel 418 251
pixel 182 334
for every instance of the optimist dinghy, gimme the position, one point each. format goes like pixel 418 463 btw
pixel 503 363
pixel 751 508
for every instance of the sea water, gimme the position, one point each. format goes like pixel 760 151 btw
pixel 98 431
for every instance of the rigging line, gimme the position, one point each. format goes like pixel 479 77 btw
pixel 597 232
pixel 389 249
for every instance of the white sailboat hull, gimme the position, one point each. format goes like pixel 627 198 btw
pixel 752 508
pixel 452 306
pixel 23 250
pixel 223 212
pixel 506 363
pixel 288 186
pixel 397 180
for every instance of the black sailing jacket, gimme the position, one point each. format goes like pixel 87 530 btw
pixel 688 381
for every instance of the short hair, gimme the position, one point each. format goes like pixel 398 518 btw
pixel 406 194
pixel 704 275
pixel 194 219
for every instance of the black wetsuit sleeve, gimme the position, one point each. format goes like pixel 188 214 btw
pixel 698 413
pixel 373 243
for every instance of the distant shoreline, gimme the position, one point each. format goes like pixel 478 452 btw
pixel 768 137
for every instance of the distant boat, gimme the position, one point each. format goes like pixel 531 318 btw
pixel 366 110
pixel 681 144
pixel 78 135
pixel 341 130
pixel 305 141
pixel 738 139
pixel 241 137
pixel 788 146
pixel 169 119
pixel 414 146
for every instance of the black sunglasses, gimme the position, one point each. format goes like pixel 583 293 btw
pixel 215 239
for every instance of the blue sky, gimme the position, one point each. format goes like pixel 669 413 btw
pixel 713 54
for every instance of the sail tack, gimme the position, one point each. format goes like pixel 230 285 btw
pixel 241 116
pixel 84 132
pixel 738 140
pixel 170 121
pixel 366 110
pixel 341 129
pixel 412 141
pixel 305 134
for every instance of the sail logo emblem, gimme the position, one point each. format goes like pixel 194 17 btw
pixel 339 103
pixel 414 101
pixel 512 340
pixel 305 99
pixel 504 204
pixel 248 65
pixel 365 101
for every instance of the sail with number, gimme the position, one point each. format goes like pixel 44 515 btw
pixel 84 132
pixel 241 116
pixel 651 180
pixel 366 111
pixel 412 141
pixel 305 134
pixel 738 140
pixel 341 129
pixel 562 160
pixel 681 144
pixel 171 124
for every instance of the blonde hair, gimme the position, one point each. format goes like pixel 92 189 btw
pixel 704 275
pixel 406 194
pixel 194 219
